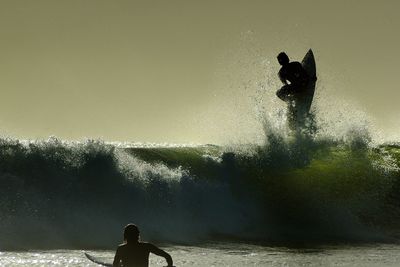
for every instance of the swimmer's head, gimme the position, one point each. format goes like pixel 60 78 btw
pixel 131 233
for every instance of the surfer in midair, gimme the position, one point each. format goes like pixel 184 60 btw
pixel 134 253
pixel 293 76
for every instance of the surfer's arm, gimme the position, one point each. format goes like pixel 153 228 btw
pixel 117 258
pixel 281 77
pixel 161 253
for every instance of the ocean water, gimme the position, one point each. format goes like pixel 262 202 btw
pixel 226 254
pixel 208 202
pixel 55 194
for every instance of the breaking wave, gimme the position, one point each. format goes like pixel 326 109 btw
pixel 293 188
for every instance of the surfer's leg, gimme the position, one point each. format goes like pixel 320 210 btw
pixel 284 92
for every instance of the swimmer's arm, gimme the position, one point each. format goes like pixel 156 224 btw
pixel 161 253
pixel 117 258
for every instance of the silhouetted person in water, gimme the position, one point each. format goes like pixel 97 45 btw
pixel 134 253
pixel 294 73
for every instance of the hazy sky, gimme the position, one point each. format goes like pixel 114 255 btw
pixel 185 71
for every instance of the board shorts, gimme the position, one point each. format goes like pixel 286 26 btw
pixel 287 91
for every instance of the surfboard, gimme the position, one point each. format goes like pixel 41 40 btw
pixel 97 261
pixel 308 63
pixel 100 262
pixel 299 107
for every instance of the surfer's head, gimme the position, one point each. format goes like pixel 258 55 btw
pixel 283 58
pixel 131 233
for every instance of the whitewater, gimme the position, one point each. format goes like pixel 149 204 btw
pixel 295 200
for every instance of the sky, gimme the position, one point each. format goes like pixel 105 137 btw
pixel 188 71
